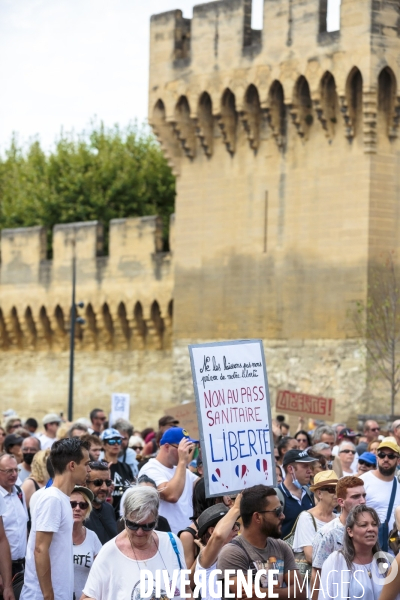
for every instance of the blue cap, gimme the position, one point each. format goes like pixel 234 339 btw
pixel 174 435
pixel 110 433
pixel 369 457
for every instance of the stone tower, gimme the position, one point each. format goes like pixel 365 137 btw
pixel 285 146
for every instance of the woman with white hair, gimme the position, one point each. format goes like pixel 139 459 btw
pixel 115 574
pixel 346 454
pixel 86 543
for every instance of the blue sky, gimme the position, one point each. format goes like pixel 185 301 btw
pixel 66 61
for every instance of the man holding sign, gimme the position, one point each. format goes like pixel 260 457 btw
pixel 173 478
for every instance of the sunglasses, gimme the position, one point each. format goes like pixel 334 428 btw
pixel 366 464
pixel 82 505
pixel 236 526
pixel 99 482
pixel 389 455
pixel 347 452
pixel 136 448
pixel 375 429
pixel 331 489
pixel 278 511
pixel 15 426
pixel 136 526
pixel 114 442
pixel 101 418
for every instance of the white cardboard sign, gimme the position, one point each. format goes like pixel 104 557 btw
pixel 120 404
pixel 234 413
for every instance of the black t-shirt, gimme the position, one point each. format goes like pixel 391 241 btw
pixel 102 522
pixel 122 476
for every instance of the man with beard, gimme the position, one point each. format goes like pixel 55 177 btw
pixel 102 518
pixel 30 446
pixel 259 547
pixel 381 483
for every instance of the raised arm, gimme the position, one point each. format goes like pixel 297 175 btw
pixel 172 490
pixel 208 556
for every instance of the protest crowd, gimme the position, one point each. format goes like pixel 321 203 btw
pixel 85 507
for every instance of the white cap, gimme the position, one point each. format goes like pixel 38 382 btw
pixel 51 418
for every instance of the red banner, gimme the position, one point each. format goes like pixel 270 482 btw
pixel 305 405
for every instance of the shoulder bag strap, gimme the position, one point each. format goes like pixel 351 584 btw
pixel 236 542
pixel 19 494
pixel 392 497
pixel 313 520
pixel 175 547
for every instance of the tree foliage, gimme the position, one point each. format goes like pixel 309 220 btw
pixel 100 175
pixel 378 321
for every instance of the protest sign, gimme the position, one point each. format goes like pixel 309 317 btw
pixel 305 405
pixel 234 414
pixel 186 414
pixel 119 407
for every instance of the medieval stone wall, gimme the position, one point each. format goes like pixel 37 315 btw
pixel 124 344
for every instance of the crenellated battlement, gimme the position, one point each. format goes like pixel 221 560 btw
pixel 214 77
pixel 127 294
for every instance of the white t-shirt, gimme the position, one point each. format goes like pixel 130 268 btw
pixel 52 513
pixel 305 531
pixel 84 555
pixel 378 495
pixel 2 506
pixel 338 582
pixel 46 442
pixel 114 576
pixel 214 586
pixel 177 514
pixel 34 498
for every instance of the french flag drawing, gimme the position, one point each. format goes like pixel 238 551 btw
pixel 242 471
pixel 262 465
pixel 216 477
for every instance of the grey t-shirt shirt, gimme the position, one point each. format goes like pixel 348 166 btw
pixel 242 556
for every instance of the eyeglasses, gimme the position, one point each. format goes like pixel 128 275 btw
pixel 389 455
pixel 101 418
pixel 82 505
pixel 366 464
pixel 347 451
pixel 278 511
pixel 29 450
pixel 114 442
pixel 136 526
pixel 174 445
pixel 331 489
pixel 9 471
pixel 99 482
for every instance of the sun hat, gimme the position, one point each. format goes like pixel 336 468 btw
pixel 210 517
pixel 347 432
pixel 323 479
pixel 51 418
pixel 80 489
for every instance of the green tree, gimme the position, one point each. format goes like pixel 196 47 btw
pixel 99 175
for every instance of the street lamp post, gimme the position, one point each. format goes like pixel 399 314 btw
pixel 74 319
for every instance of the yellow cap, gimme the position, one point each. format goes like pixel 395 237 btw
pixel 389 442
pixel 324 478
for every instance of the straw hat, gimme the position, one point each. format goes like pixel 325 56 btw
pixel 323 479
